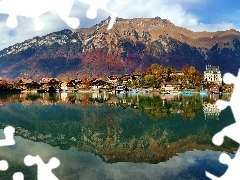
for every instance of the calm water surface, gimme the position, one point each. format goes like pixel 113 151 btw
pixel 107 136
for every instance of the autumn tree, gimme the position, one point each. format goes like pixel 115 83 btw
pixel 137 71
pixel 192 77
pixel 3 85
pixel 86 82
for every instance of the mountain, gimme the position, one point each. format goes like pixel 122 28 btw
pixel 130 44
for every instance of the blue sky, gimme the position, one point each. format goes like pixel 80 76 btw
pixel 196 15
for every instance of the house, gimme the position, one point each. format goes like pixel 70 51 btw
pixel 49 81
pixel 126 78
pixel 50 84
pixel 170 86
pixel 214 88
pixel 97 84
pixel 24 83
pixel 78 83
pixel 71 86
pixel 113 79
pixel 213 74
pixel 177 73
pixel 135 76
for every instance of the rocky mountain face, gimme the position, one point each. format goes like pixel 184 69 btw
pixel 130 44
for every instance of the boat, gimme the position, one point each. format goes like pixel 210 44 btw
pixel 165 92
pixel 133 91
pixel 187 93
pixel 203 93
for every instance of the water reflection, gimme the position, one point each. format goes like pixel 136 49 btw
pixel 156 106
pixel 151 128
pixel 81 165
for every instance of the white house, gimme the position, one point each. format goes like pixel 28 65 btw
pixel 213 74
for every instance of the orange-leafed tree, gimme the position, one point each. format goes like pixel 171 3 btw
pixel 86 82
pixel 3 84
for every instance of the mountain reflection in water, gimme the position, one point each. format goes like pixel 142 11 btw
pixel 147 136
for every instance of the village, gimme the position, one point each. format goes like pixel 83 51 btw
pixel 211 82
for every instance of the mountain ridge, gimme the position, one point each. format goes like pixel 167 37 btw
pixel 130 44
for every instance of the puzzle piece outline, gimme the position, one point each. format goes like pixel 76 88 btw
pixel 61 7
pixel 9 134
pixel 95 5
pixel 44 171
pixel 230 131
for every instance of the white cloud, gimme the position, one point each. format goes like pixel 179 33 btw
pixel 76 164
pixel 173 11
pixel 177 11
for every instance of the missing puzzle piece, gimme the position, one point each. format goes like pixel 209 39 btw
pixel 9 134
pixel 36 8
pixel 3 165
pixel 44 170
pixel 231 131
pixel 95 5
pixel 233 167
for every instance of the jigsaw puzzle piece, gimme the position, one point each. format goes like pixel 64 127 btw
pixel 95 5
pixel 233 167
pixel 222 104
pixel 18 176
pixel 230 131
pixel 3 165
pixel 9 134
pixel 36 8
pixel 211 176
pixel 63 9
pixel 26 8
pixel 44 170
pixel 229 78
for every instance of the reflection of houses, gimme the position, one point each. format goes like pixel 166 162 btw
pixel 135 76
pixel 167 97
pixel 63 86
pixel 63 97
pixel 213 74
pixel 211 111
pixel 213 97
pixel 100 96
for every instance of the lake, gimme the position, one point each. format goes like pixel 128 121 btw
pixel 123 136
